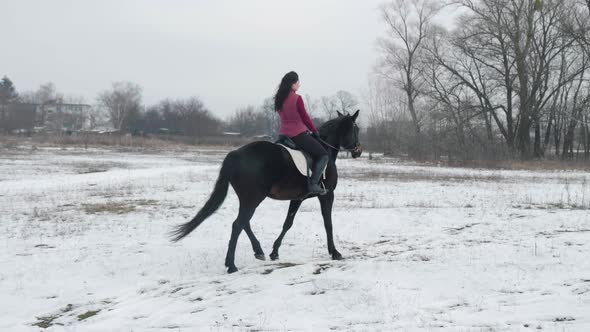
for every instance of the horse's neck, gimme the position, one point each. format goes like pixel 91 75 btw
pixel 331 151
pixel 332 139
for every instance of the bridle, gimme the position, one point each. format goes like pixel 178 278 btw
pixel 354 148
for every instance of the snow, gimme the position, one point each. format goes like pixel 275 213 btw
pixel 85 247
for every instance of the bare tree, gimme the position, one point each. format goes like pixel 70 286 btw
pixel 123 102
pixel 195 118
pixel 409 24
pixel 187 117
pixel 458 62
pixel 342 101
pixel 248 122
pixel 272 117
pixel 345 101
pixel 385 116
pixel 311 106
pixel 329 106
pixel 515 59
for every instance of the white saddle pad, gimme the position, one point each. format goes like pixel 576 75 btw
pixel 300 162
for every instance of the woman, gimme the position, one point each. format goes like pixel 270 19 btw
pixel 295 123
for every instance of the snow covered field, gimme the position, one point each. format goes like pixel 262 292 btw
pixel 84 247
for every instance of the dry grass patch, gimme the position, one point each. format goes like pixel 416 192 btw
pixel 96 167
pixel 88 314
pixel 530 165
pixel 47 321
pixel 411 176
pixel 109 207
pixel 117 207
pixel 553 206
pixel 144 202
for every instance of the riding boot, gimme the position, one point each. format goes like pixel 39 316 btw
pixel 313 183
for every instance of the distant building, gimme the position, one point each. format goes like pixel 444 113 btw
pixel 63 116
pixel 44 117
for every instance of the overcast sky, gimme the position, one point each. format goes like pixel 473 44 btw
pixel 229 53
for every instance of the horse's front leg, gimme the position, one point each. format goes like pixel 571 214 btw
pixel 326 202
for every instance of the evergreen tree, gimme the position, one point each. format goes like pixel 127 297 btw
pixel 7 91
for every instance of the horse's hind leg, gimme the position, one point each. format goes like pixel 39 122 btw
pixel 258 252
pixel 293 207
pixel 243 218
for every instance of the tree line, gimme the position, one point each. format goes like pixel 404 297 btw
pixel 121 108
pixel 509 80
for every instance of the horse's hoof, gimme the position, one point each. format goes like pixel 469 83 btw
pixel 337 256
pixel 260 257
pixel 232 269
pixel 274 256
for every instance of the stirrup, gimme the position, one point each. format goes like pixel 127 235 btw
pixel 320 193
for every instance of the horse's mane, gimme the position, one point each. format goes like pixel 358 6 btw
pixel 327 127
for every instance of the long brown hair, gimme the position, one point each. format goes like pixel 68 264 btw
pixel 284 89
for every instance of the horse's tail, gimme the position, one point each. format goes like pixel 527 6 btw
pixel 213 203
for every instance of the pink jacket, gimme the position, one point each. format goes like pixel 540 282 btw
pixel 294 118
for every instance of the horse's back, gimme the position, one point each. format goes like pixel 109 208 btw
pixel 262 152
pixel 260 161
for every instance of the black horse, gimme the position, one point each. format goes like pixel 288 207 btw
pixel 264 169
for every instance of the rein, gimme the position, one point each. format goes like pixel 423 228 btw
pixel 355 149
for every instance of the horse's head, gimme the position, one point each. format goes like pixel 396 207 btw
pixel 348 133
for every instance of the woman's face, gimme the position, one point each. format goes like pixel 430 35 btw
pixel 295 86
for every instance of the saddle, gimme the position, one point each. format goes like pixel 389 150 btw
pixel 302 160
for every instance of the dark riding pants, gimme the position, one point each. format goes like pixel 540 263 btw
pixel 309 144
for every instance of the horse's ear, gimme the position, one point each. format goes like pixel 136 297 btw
pixel 339 114
pixel 355 115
